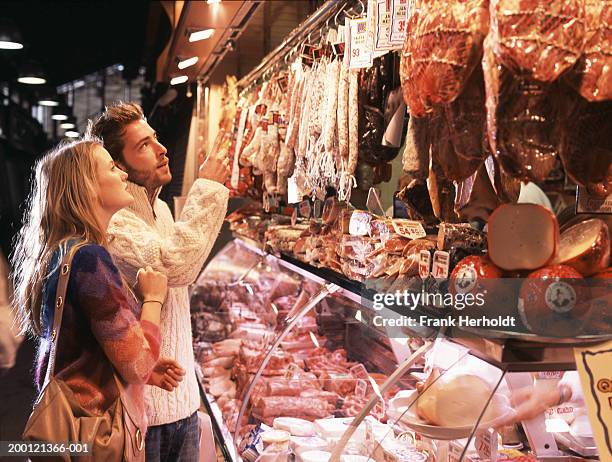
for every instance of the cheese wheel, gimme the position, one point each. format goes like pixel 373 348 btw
pixel 478 276
pixel 555 301
pixel 585 247
pixel 522 236
pixel 457 401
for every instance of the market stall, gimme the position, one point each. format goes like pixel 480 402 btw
pixel 423 273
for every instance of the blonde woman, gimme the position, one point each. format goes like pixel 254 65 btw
pixel 77 189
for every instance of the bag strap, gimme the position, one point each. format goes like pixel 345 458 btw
pixel 60 298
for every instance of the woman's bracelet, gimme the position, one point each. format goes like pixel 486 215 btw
pixel 153 301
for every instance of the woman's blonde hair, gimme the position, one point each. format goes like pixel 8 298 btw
pixel 61 208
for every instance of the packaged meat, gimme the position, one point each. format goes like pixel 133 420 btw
pixel 442 47
pixel 585 247
pixel 460 235
pixel 555 301
pixel 586 148
pixel 592 76
pixel 522 236
pixel 457 401
pixel 522 120
pixel 543 38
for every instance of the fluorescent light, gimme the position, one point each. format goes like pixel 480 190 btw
pixel 31 80
pixel 212 2
pixel 59 117
pixel 179 79
pixel 67 125
pixel 201 35
pixel 48 102
pixel 72 134
pixel 8 45
pixel 187 62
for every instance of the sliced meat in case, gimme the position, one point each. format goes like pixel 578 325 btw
pixel 543 38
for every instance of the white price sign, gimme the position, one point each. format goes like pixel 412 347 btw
pixel 399 20
pixel 486 445
pixel 382 31
pixel 359 55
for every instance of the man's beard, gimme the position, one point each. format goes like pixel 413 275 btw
pixel 149 179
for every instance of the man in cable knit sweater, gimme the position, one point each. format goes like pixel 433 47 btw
pixel 145 234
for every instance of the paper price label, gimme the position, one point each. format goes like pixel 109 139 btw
pixel 409 228
pixel 424 264
pixel 454 451
pixel 441 261
pixel 399 18
pixel 379 410
pixel 291 371
pixel 486 445
pixel 593 364
pixel 359 55
pixel 360 388
pixel 587 203
pixel 359 372
pixel 382 31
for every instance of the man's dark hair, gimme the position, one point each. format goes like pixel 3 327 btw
pixel 110 126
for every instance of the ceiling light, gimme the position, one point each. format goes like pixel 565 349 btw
pixel 179 79
pixel 48 102
pixel 70 122
pixel 8 45
pixel 212 2
pixel 10 38
pixel 187 62
pixel 30 73
pixel 61 112
pixel 201 35
pixel 72 134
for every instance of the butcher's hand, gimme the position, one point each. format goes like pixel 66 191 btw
pixel 533 401
pixel 215 167
pixel 167 374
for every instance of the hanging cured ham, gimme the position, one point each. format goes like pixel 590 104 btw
pixel 522 120
pixel 443 46
pixel 543 38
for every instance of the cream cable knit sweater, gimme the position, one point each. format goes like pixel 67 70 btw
pixel 144 235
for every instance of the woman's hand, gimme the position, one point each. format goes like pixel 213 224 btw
pixel 152 284
pixel 167 374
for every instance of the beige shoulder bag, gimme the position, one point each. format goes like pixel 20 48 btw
pixel 59 418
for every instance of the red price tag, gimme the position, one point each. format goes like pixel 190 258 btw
pixel 424 264
pixel 360 388
pixel 441 262
pixel 359 371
